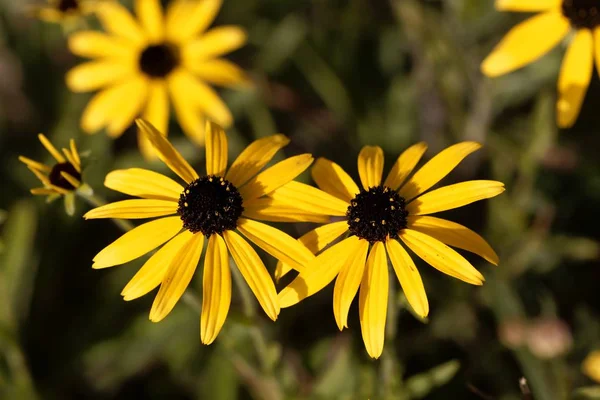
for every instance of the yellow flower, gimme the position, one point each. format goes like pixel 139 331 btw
pixel 591 365
pixel 214 207
pixel 63 178
pixel 534 37
pixel 144 65
pixel 379 217
pixel 65 10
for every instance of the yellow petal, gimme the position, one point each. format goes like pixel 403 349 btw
pixel 437 168
pixel 409 277
pixel 315 241
pixel 94 44
pixel 150 15
pixel 309 199
pixel 254 158
pixel 71 159
pixel 216 289
pixel 42 191
pixel 143 183
pixel 454 196
pixel 190 119
pixel 153 271
pixel 214 43
pixel 319 272
pixel 186 19
pixel 220 72
pixel 203 97
pixel 574 78
pixel 331 178
pixel 275 176
pixel 75 154
pixel 404 165
pixel 267 209
pixel 454 235
pixel 51 149
pixel 117 20
pixel 107 107
pixel 254 272
pixel 138 241
pixel 441 257
pixel 527 5
pixel 167 153
pixel 138 208
pixel 157 113
pixel 97 74
pixel 216 150
pixel 177 278
pixel 277 243
pixel 370 166
pixel 34 164
pixel 373 300
pixel 347 283
pixel 526 42
pixel 70 178
pixel 591 365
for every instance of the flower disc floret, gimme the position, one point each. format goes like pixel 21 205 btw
pixel 159 60
pixel 210 205
pixel 582 13
pixel 376 214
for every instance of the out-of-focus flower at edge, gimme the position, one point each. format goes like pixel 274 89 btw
pixel 61 179
pixel 591 365
pixel 65 11
pixel 549 337
pixel 210 207
pixel 142 66
pixel 534 37
pixel 378 217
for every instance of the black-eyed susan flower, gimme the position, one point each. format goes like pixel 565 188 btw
pixel 377 219
pixel 216 207
pixel 65 10
pixel 591 365
pixel 534 37
pixel 60 179
pixel 142 66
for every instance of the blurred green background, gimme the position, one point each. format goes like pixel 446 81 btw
pixel 333 75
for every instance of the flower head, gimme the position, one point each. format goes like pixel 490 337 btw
pixel 65 10
pixel 60 179
pixel 216 207
pixel 143 65
pixel 534 37
pixel 377 219
pixel 591 365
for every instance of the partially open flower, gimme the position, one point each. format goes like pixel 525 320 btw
pixel 61 179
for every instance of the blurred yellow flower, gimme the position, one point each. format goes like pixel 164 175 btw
pixel 61 179
pixel 65 10
pixel 534 37
pixel 378 217
pixel 591 365
pixel 144 65
pixel 213 206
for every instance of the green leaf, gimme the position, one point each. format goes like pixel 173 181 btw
pixel 422 384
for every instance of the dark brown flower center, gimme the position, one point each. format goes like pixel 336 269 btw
pixel 57 179
pixel 68 5
pixel 210 205
pixel 582 13
pixel 159 60
pixel 376 214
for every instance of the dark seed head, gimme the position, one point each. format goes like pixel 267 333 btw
pixel 57 179
pixel 68 5
pixel 582 13
pixel 210 205
pixel 377 213
pixel 159 60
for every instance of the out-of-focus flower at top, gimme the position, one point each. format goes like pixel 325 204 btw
pixel 60 179
pixel 534 37
pixel 377 218
pixel 64 11
pixel 212 207
pixel 591 365
pixel 142 66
